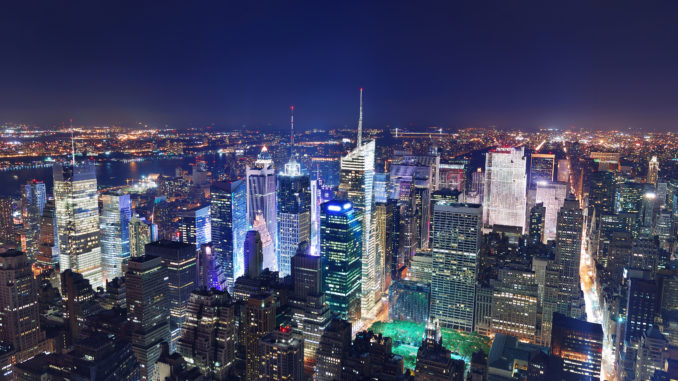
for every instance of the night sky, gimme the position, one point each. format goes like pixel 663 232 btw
pixel 513 64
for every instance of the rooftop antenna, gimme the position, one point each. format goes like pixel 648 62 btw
pixel 360 120
pixel 72 143
pixel 292 129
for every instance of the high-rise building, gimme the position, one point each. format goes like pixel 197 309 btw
pixel 254 256
pixel 310 312
pixel 515 304
pixel 563 170
pixel 568 246
pixel 261 198
pixel 116 214
pixel 552 195
pixel 602 192
pixel 281 356
pixel 642 299
pixel 49 251
pixel 7 234
pixel 456 244
pixel 196 226
pixel 19 310
pixel 409 300
pixel 141 232
pixel 579 344
pixel 651 351
pixel 259 319
pixel 229 225
pixel 334 342
pixel 80 302
pixel 77 215
pixel 620 249
pixel 653 171
pixel 537 222
pixel 542 168
pixel 505 187
pixel 294 213
pixel 341 240
pixel 148 310
pixel 180 263
pixel 208 334
pixel 33 199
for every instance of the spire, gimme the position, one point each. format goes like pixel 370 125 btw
pixel 360 121
pixel 292 129
pixel 72 143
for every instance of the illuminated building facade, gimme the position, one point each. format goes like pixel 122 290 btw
pixel 542 168
pixel 229 225
pixel 341 240
pixel 456 243
pixel 261 198
pixel 505 198
pixel 33 199
pixel 196 226
pixel 259 320
pixel 552 195
pixel 115 218
pixel 579 344
pixel 77 215
pixel 568 246
pixel 294 213
pixel 282 356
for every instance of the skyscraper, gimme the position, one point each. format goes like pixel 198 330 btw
pixel 579 344
pixel 294 213
pixel 77 215
pixel 49 252
pixel 19 310
pixel 147 310
pixel 505 187
pixel 254 256
pixel 229 225
pixel 208 335
pixel 33 199
pixel 456 243
pixel 552 195
pixel 653 171
pixel 341 240
pixel 602 192
pixel 196 226
pixel 141 232
pixel 281 356
pixel 536 223
pixel 261 199
pixel 334 342
pixel 259 319
pixel 542 168
pixel 115 217
pixel 356 185
pixel 180 263
pixel 568 246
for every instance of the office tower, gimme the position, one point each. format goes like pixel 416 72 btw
pixel 383 215
pixel 563 170
pixel 259 319
pixel 648 212
pixel 456 243
pixel 620 250
pixel 542 168
pixel 141 232
pixel 537 222
pixel 414 183
pixel 356 185
pixel 515 304
pixel 7 220
pixel 254 256
pixel 48 250
pixel 116 294
pixel 282 356
pixel 77 215
pixel 505 187
pixel 602 192
pixel 608 225
pixel 114 221
pixel 310 312
pixel 148 310
pixel 607 161
pixel 629 196
pixel 19 310
pixel 294 213
pixel 208 334
pixel 370 357
pixel 568 246
pixel 653 171
pixel 180 264
pixel 33 199
pixel 650 354
pixel 382 187
pixel 261 199
pixel 196 226
pixel 334 342
pixel 641 306
pixel 80 302
pixel 434 361
pixel 270 260
pixel 421 267
pixel 209 270
pixel 645 254
pixel 579 344
pixel 409 300
pixel 552 196
pixel 229 224
pixel 341 240
pixel 452 176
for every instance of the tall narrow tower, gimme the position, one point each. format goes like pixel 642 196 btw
pixel 360 121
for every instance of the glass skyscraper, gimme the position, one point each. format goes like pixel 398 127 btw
pixel 33 199
pixel 261 199
pixel 196 226
pixel 294 213
pixel 456 243
pixel 229 226
pixel 115 217
pixel 341 239
pixel 77 215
